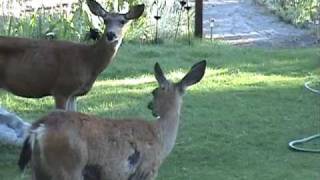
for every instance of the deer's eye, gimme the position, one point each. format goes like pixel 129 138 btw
pixel 122 22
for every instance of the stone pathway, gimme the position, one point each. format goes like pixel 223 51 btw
pixel 242 22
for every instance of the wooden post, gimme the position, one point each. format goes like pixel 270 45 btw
pixel 198 18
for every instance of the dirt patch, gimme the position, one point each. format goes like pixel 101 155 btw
pixel 245 23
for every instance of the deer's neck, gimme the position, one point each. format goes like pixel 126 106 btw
pixel 103 53
pixel 168 125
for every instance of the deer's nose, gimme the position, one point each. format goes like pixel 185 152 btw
pixel 111 36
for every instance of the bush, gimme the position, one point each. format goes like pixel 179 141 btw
pixel 298 12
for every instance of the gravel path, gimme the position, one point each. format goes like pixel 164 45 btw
pixel 241 22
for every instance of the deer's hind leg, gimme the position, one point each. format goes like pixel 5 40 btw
pixel 38 168
pixel 70 175
pixel 38 173
pixel 57 174
pixel 62 154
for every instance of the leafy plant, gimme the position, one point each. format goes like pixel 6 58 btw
pixel 298 12
pixel 74 27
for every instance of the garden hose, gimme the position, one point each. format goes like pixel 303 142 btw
pixel 292 144
pixel 307 86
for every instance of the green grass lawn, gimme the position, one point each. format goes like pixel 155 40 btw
pixel 236 123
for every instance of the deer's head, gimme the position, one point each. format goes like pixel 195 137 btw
pixel 169 95
pixel 116 24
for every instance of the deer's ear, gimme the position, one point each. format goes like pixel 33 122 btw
pixel 135 12
pixel 96 8
pixel 162 80
pixel 193 76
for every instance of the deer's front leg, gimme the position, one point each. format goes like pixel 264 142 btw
pixel 72 103
pixel 61 102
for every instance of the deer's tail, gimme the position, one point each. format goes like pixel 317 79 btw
pixel 25 155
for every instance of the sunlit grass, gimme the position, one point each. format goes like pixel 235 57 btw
pixel 236 122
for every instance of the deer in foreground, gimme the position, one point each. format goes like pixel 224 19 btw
pixel 65 145
pixel 38 68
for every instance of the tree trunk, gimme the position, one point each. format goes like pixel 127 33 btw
pixel 198 18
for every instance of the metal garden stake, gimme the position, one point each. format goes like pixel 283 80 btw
pixel 157 17
pixel 211 28
pixel 188 8
pixel 182 4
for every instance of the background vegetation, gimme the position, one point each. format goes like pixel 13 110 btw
pixel 298 12
pixel 236 123
pixel 40 21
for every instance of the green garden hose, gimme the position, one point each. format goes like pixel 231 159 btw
pixel 292 144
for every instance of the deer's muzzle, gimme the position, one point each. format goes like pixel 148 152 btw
pixel 111 36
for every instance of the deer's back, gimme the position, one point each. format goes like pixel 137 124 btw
pixel 37 68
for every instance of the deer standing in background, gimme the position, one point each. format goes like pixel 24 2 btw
pixel 63 145
pixel 38 68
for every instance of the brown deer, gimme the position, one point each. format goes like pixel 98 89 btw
pixel 38 68
pixel 68 145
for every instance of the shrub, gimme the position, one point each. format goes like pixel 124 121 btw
pixel 298 12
